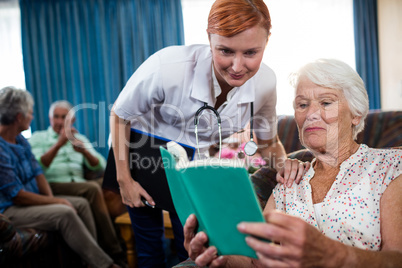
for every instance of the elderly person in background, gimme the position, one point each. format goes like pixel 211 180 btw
pixel 26 197
pixel 62 152
pixel 346 212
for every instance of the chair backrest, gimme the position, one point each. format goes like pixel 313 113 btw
pixel 382 130
pixel 288 133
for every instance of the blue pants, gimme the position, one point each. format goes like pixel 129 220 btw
pixel 147 224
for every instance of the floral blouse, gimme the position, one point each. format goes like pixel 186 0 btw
pixel 350 212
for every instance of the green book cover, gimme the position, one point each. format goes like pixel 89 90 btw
pixel 218 192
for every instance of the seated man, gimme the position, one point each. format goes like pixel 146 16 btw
pixel 25 195
pixel 62 152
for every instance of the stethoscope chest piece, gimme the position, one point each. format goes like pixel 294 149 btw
pixel 250 148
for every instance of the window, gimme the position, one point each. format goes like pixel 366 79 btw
pixel 11 65
pixel 302 31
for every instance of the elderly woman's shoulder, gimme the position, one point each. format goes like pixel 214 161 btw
pixel 390 150
pixel 390 155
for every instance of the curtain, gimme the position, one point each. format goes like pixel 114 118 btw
pixel 84 51
pixel 366 44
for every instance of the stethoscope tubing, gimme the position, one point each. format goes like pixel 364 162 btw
pixel 196 121
pixel 218 118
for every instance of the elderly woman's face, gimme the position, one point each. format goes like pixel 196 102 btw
pixel 238 58
pixel 323 116
pixel 26 122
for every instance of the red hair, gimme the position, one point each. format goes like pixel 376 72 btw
pixel 230 17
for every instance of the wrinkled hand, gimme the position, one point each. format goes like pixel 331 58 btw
pixel 298 244
pixel 195 246
pixel 131 193
pixel 78 146
pixel 292 171
pixel 65 135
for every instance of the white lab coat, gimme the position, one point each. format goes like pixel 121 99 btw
pixel 164 93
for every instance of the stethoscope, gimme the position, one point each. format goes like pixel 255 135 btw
pixel 250 148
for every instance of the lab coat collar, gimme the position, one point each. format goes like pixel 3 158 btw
pixel 247 91
pixel 201 88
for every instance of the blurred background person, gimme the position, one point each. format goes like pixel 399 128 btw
pixel 25 195
pixel 63 154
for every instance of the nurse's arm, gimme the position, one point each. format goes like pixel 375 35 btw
pixel 130 190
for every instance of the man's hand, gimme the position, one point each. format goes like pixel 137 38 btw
pixel 78 146
pixel 65 135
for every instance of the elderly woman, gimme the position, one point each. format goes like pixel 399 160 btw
pixel 25 195
pixel 346 212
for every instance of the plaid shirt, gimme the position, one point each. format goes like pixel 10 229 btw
pixel 18 170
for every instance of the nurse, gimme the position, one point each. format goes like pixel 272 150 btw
pixel 165 92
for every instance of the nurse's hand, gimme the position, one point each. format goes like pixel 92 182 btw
pixel 132 193
pixel 292 171
pixel 195 245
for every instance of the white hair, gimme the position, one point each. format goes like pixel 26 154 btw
pixel 14 101
pixel 335 74
pixel 59 104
